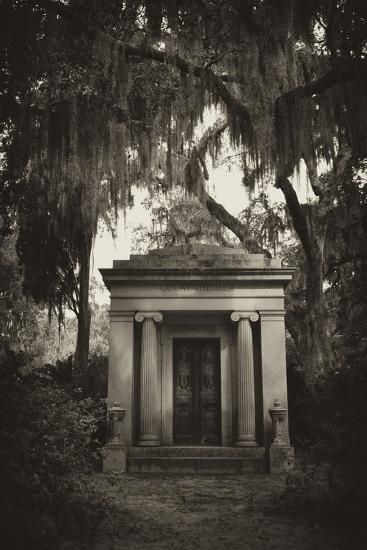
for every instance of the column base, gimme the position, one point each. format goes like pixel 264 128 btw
pixel 149 441
pixel 114 458
pixel 246 443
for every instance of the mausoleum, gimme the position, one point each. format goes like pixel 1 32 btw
pixel 197 368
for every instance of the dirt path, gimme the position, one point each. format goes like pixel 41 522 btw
pixel 209 513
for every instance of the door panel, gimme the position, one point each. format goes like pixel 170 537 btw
pixel 196 391
pixel 183 362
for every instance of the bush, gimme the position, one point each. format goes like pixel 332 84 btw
pixel 328 424
pixel 48 443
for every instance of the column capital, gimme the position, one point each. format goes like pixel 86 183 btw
pixel 250 315
pixel 272 315
pixel 155 315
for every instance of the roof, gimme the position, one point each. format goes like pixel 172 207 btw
pixel 196 261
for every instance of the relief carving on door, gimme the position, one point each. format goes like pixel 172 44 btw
pixel 208 390
pixel 184 387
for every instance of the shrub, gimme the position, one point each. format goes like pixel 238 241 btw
pixel 328 421
pixel 48 443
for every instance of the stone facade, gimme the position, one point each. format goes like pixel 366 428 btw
pixel 218 315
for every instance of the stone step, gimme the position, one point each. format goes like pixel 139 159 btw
pixel 197 460
pixel 195 465
pixel 198 450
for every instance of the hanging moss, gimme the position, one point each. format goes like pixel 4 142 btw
pixel 306 126
pixel 110 121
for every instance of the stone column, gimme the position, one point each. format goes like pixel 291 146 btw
pixel 245 379
pixel 149 418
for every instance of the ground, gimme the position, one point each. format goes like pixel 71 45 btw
pixel 203 512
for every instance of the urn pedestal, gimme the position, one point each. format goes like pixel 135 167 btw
pixel 281 454
pixel 114 459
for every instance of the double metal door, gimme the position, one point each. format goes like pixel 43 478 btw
pixel 196 382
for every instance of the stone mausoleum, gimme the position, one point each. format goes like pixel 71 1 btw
pixel 197 369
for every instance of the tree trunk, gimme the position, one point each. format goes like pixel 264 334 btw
pixel 195 175
pixel 307 316
pixel 314 332
pixel 233 224
pixel 84 316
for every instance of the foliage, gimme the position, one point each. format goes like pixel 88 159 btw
pixel 176 218
pixel 28 327
pixel 328 407
pixel 48 442
pixel 97 98
pixel 22 322
pixel 268 223
pixel 113 97
pixel 59 341
pixel 48 434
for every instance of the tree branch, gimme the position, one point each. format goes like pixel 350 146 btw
pixel 311 166
pixel 217 210
pixel 352 71
pixel 211 133
pixel 298 218
pixel 215 60
pixel 233 224
pixel 234 106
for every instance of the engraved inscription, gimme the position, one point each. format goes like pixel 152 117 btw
pixel 198 288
